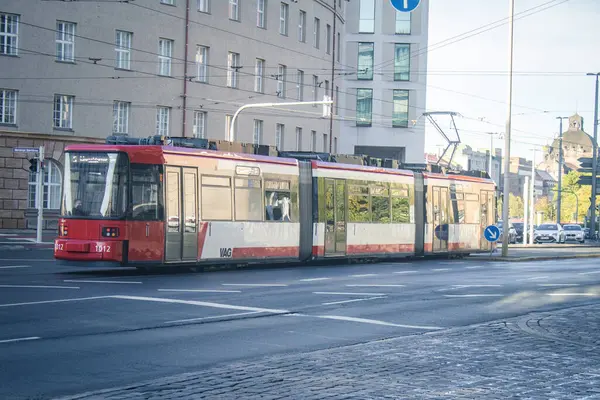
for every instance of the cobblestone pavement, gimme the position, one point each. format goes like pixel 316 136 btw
pixel 551 355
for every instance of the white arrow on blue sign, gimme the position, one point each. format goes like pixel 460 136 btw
pixel 405 5
pixel 491 233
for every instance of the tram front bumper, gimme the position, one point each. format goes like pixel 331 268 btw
pixel 88 250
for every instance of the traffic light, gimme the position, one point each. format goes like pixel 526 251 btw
pixel 33 165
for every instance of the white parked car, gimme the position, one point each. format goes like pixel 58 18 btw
pixel 549 233
pixel 574 232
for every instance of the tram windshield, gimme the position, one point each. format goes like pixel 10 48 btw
pixel 95 185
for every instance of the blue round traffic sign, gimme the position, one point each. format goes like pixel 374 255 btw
pixel 491 233
pixel 405 5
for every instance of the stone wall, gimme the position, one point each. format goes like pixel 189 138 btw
pixel 14 176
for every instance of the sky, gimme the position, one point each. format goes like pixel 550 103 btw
pixel 553 50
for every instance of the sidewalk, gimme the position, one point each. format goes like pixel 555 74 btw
pixel 546 355
pixel 20 239
pixel 541 252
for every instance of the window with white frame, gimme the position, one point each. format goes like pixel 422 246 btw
pixel 233 63
pixel 400 112
pixel 279 136
pixel 258 131
pixel 339 48
pixel 204 6
pixel 123 49
pixel 300 85
pixel 228 121
pixel 313 140
pixel 199 124
pixel 63 111
pixel 302 26
pixel 403 23
pixel 366 12
pixel 52 187
pixel 259 75
pixel 335 149
pixel 281 75
pixel 234 10
pixel 65 41
pixel 9 34
pixel 337 100
pixel 284 12
pixel 298 138
pixel 316 33
pixel 8 106
pixel 163 115
pixel 202 63
pixel 121 116
pixel 328 37
pixel 261 21
pixel 325 142
pixel 315 84
pixel 169 2
pixel 165 55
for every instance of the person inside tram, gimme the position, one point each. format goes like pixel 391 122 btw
pixel 78 208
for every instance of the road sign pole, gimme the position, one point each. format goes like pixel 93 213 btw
pixel 532 202
pixel 40 194
pixel 526 199
pixel 594 161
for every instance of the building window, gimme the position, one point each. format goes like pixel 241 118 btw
pixel 335 149
pixel 337 100
pixel 402 62
pixel 300 85
pixel 403 23
pixel 162 121
pixel 283 18
pixel 302 26
pixel 165 53
pixel 400 116
pixel 260 13
pixel 259 75
pixel 233 63
pixel 298 138
pixel 366 23
pixel 203 6
pixel 121 116
pixel 328 37
pixel 9 34
pixel 65 41
pixel 258 131
pixel 200 124
pixel 123 49
pixel 279 136
pixel 8 106
pixel 313 140
pixel 365 61
pixel 228 121
pixel 169 2
pixel 325 142
pixel 63 111
pixel 315 89
pixel 234 10
pixel 281 75
pixel 316 33
pixel 364 107
pixel 52 187
pixel 339 48
pixel 326 87
pixel 202 63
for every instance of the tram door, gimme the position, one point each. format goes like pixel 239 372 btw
pixel 335 215
pixel 181 201
pixel 488 215
pixel 440 219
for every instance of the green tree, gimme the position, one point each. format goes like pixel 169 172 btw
pixel 515 206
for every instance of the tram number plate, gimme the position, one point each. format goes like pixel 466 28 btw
pixel 102 248
pixel 225 252
pixel 59 246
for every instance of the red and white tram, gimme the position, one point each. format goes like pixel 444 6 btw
pixel 151 204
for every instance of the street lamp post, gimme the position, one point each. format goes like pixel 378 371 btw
pixel 594 157
pixel 560 168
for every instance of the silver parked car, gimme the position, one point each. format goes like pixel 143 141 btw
pixel 574 232
pixel 549 233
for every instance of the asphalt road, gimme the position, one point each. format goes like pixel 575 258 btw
pixel 65 330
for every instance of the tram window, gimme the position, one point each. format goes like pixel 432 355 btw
pixel 216 198
pixel 278 201
pixel 472 212
pixel 461 211
pixel 401 210
pixel 472 197
pixel 173 201
pixel 380 209
pixel 358 209
pixel 147 204
pixel 248 204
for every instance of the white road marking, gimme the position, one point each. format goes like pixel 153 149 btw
pixel 200 290
pixel 20 339
pixel 213 317
pixel 375 285
pixel 404 272
pixel 533 278
pixel 572 294
pixel 474 267
pixel 473 295
pixel 314 279
pixel 352 301
pixel 362 275
pixel 589 273
pixel 451 263
pixel 376 322
pixel 95 281
pixel 15 266
pixel 53 301
pixel 27 259
pixel 39 287
pixel 440 269
pixel 350 294
pixel 200 303
pixel 557 284
pixel 255 284
pixel 474 286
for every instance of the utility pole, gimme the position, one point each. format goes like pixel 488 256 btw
pixel 594 159
pixel 332 76
pixel 505 215
pixel 560 168
pixel 40 194
pixel 532 202
pixel 525 208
